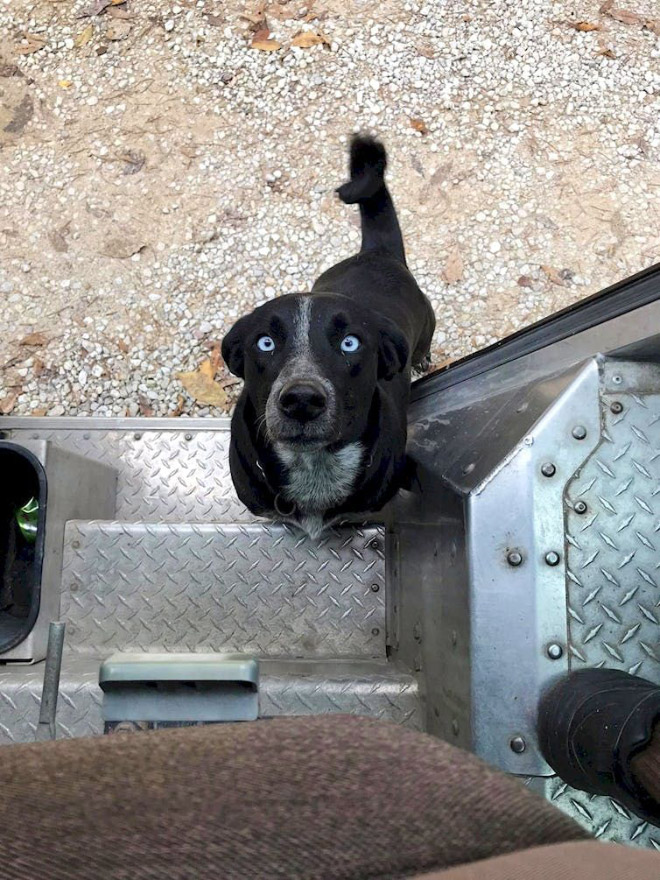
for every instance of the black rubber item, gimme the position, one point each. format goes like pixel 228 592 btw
pixel 590 726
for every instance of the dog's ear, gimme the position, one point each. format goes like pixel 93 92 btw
pixel 392 350
pixel 233 348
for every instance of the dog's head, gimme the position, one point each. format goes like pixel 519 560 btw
pixel 311 364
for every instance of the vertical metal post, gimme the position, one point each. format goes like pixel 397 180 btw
pixel 48 709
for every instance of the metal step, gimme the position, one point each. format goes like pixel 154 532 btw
pixel 169 470
pixel 307 687
pixel 257 588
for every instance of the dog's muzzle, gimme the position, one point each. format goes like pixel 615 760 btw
pixel 302 401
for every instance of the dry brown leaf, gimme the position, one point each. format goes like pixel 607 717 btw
pixel 307 39
pixel 8 403
pixel 443 364
pixel 419 125
pixel 38 367
pixel 553 275
pixel 585 26
pixel 606 53
pixel 118 13
pixel 426 49
pixel 37 338
pixel 453 270
pixel 84 37
pixel 525 281
pixel 117 31
pixel 622 15
pixel 653 25
pixel 146 409
pixel 122 346
pixel 216 358
pixel 32 44
pixel 200 385
pixel 39 412
pixel 180 406
pixel 265 45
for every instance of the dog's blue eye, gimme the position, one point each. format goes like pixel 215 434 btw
pixel 350 344
pixel 265 343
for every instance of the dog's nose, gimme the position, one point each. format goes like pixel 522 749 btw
pixel 303 401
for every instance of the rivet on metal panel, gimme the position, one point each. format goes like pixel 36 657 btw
pixel 552 558
pixel 454 727
pixel 187 436
pixel 579 432
pixel 616 379
pixel 375 588
pixel 375 631
pixel 555 651
pixel 580 507
pixel 137 436
pixel 548 469
pixel 375 544
pixel 517 745
pixel 616 407
pixel 514 558
pixel 35 436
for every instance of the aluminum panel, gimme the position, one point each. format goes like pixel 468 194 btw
pixel 164 475
pixel 261 589
pixel 613 547
pixel 374 689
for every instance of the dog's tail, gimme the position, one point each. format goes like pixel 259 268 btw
pixel 380 226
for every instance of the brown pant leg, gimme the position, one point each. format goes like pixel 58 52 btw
pixel 318 797
pixel 562 861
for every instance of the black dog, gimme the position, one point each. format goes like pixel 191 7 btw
pixel 319 431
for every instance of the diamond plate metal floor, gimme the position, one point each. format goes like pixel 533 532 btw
pixel 372 688
pixel 262 588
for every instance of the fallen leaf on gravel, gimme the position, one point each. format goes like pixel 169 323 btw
pixel 121 247
pixel 146 409
pixel 606 53
pixel 307 39
pixel 39 412
pixel 180 406
pixel 64 83
pixel 7 70
pixel 653 25
pixel 524 281
pixel 265 45
pixel 553 275
pixel 84 37
pixel 426 50
pixel 622 15
pixel 419 125
pixel 216 358
pixel 38 367
pixel 117 12
pixel 200 385
pixel 585 26
pixel 117 31
pixel 58 241
pixel 32 44
pixel 37 338
pixel 453 270
pixel 8 403
pixel 134 160
pixel 122 346
pixel 214 20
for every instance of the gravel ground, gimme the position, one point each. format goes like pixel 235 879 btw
pixel 165 168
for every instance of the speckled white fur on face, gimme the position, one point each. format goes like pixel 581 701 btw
pixel 319 480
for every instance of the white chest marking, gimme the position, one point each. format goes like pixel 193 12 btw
pixel 319 480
